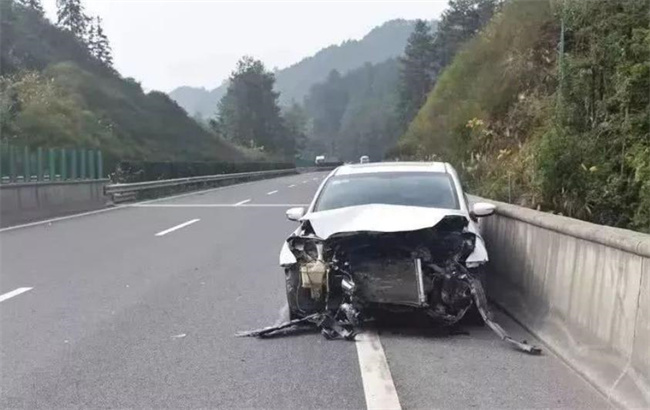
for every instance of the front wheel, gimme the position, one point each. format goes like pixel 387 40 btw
pixel 473 317
pixel 299 299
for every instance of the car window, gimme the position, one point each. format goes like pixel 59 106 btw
pixel 426 189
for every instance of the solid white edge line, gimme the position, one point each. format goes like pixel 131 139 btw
pixel 242 202
pixel 272 192
pixel 215 205
pixel 173 228
pixel 114 208
pixel 13 293
pixel 63 218
pixel 378 386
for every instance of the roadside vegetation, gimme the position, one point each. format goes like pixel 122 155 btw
pixel 58 88
pixel 548 107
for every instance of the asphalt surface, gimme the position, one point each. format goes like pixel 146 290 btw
pixel 118 317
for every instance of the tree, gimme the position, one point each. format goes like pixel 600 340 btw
pixel 32 4
pixel 326 103
pixel 71 16
pixel 296 124
pixel 416 72
pixel 353 114
pixel 249 113
pixel 459 23
pixel 98 44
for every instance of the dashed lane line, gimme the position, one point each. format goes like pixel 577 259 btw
pixel 242 202
pixel 13 293
pixel 272 192
pixel 174 228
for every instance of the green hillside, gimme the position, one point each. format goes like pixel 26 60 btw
pixel 549 118
pixel 55 93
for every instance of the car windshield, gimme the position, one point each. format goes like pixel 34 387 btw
pixel 425 189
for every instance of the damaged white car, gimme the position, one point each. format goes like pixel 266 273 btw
pixel 385 236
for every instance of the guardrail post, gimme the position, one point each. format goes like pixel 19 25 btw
pixel 91 164
pixel 73 164
pixel 64 168
pixel 27 173
pixel 50 158
pixel 100 165
pixel 39 163
pixel 82 160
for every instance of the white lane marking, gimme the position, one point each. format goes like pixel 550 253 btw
pixel 114 208
pixel 304 182
pixel 214 205
pixel 378 386
pixel 314 179
pixel 173 228
pixel 62 218
pixel 242 202
pixel 292 185
pixel 272 192
pixel 13 293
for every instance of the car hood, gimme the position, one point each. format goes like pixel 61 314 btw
pixel 376 218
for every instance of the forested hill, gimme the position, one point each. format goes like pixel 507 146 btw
pixel 56 92
pixel 548 107
pixel 293 83
pixel 354 114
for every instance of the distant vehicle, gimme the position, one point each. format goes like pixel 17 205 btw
pixel 320 159
pixel 364 160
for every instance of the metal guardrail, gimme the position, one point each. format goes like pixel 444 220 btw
pixel 166 183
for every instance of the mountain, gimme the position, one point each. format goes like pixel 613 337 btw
pixel 293 83
pixel 55 93
pixel 354 114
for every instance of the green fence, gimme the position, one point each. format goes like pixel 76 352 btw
pixel 22 164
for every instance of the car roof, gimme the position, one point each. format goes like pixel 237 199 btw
pixel 378 167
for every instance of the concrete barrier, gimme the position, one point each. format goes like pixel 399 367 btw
pixel 583 289
pixel 20 203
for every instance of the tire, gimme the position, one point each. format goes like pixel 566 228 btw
pixel 298 298
pixel 473 317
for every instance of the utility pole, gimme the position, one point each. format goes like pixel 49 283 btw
pixel 561 56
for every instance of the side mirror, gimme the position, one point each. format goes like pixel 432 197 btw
pixel 294 214
pixel 481 209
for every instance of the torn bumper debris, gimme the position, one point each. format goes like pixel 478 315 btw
pixel 339 274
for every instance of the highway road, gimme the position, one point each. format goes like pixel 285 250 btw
pixel 137 307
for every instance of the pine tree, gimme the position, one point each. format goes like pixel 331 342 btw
pixel 32 4
pixel 71 16
pixel 416 71
pixel 91 40
pixel 249 113
pixel 98 44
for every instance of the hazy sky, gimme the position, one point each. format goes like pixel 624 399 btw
pixel 168 43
